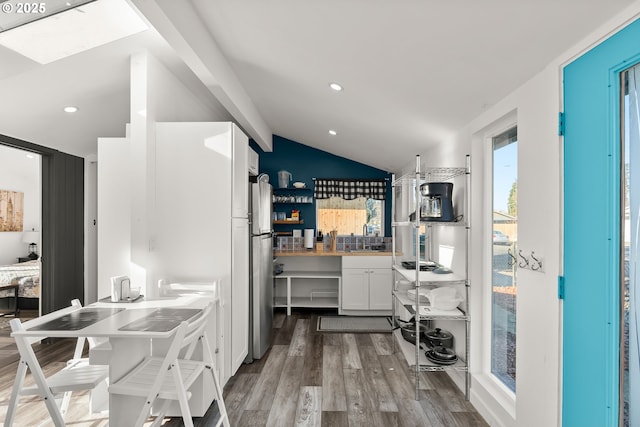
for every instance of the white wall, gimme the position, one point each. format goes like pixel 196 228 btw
pixel 113 213
pixel 132 210
pixel 535 105
pixel 156 96
pixel 19 173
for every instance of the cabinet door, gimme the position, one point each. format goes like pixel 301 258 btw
pixel 355 289
pixel 380 285
pixel 239 293
pixel 240 180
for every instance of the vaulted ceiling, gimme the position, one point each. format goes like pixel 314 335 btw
pixel 413 71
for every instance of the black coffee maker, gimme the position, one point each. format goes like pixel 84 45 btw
pixel 437 204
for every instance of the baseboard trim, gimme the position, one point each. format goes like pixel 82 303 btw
pixel 493 404
pixel 497 408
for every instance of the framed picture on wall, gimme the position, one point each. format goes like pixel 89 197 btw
pixel 11 210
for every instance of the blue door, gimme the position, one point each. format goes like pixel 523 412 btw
pixel 592 157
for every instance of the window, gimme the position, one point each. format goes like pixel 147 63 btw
pixel 350 206
pixel 630 245
pixel 503 267
pixel 351 216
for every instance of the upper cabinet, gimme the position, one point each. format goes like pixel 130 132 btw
pixel 240 180
pixel 201 182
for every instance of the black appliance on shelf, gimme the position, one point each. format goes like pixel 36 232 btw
pixel 437 202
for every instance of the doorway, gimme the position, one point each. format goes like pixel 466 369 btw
pixel 62 232
pixel 20 225
pixel 593 233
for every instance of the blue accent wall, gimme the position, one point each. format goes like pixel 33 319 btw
pixel 591 307
pixel 306 163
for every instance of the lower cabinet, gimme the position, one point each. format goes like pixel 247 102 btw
pixel 239 294
pixel 355 289
pixel 312 297
pixel 366 284
pixel 380 287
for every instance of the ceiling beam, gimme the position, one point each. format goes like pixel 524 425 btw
pixel 180 25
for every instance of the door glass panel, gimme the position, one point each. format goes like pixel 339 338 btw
pixel 505 227
pixel 629 354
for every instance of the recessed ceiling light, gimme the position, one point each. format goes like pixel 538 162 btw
pixel 70 109
pixel 333 132
pixel 335 86
pixel 30 156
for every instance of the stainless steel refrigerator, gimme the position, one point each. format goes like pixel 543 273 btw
pixel 261 268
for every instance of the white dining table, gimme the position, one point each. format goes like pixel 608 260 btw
pixel 130 339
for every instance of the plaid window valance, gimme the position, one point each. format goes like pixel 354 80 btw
pixel 350 189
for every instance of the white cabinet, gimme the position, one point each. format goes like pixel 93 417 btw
pixel 201 220
pixel 366 289
pixel 380 286
pixel 240 171
pixel 355 289
pixel 367 283
pixel 191 218
pixel 239 320
pixel 239 292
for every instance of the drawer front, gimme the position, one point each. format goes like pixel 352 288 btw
pixel 366 262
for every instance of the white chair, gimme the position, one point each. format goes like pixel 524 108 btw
pixel 164 379
pixel 76 376
pixel 78 361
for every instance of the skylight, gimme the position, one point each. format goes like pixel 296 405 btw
pixel 55 29
pixel 16 13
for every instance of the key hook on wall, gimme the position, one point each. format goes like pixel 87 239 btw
pixel 537 264
pixel 512 260
pixel 524 261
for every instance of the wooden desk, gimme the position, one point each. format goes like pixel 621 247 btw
pixel 128 346
pixel 15 294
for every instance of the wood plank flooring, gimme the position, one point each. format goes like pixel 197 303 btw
pixel 311 378
pixel 307 378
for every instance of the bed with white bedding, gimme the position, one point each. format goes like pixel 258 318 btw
pixel 27 276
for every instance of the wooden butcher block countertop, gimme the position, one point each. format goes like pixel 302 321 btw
pixel 313 252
